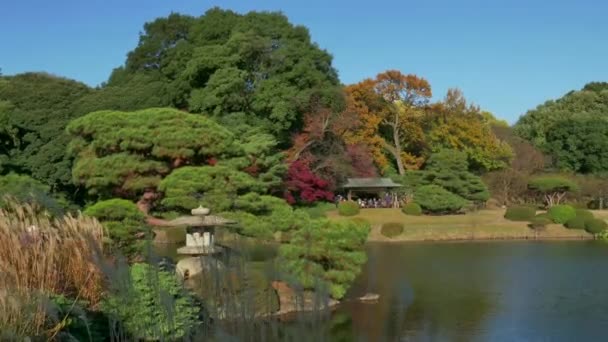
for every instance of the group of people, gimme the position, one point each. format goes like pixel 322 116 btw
pixel 388 200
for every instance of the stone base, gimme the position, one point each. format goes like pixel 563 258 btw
pixel 193 266
pixel 291 301
pixel 199 250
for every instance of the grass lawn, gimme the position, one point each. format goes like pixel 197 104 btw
pixel 481 225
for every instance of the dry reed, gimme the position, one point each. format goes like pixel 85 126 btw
pixel 42 256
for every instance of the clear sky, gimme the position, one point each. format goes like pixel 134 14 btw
pixel 506 55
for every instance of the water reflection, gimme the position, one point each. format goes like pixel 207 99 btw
pixel 524 291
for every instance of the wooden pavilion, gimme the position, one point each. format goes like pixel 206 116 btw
pixel 373 185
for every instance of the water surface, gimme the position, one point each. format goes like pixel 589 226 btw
pixel 490 291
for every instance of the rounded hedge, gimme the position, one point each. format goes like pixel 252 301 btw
pixel 576 222
pixel 115 210
pixel 435 199
pixel 348 208
pixel 561 213
pixel 584 213
pixel 520 213
pixel 539 223
pixel 595 226
pixel 412 208
pixel 392 229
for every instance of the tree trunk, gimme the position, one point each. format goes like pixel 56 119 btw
pixel 145 204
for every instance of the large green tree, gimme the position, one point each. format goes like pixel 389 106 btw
pixel 579 145
pixel 34 111
pixel 127 154
pixel 589 103
pixel 257 65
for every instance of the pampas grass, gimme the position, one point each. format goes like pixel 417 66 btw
pixel 41 255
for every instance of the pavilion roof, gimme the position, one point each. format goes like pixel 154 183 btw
pixel 353 183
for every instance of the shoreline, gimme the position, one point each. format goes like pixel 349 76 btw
pixel 480 239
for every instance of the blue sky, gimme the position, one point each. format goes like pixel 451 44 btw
pixel 506 55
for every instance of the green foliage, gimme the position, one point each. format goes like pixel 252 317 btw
pixel 319 209
pixel 520 213
pixel 326 253
pixel 603 235
pixel 123 220
pixel 547 184
pixel 449 170
pixel 539 223
pixel 223 63
pixel 576 222
pixel 561 213
pixel 595 226
pixel 34 111
pixel 261 216
pixel 216 187
pixel 391 229
pixel 131 151
pixel 152 306
pixel 412 208
pixel 348 208
pixel 553 188
pixel 579 145
pixel 589 103
pixel 25 189
pixel 437 200
pixel 77 322
pixel 584 213
pixel 115 210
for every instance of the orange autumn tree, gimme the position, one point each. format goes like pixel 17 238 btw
pixel 322 147
pixel 363 105
pixel 391 111
pixel 454 124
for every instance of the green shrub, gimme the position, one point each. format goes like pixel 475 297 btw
pixel 603 235
pixel 584 213
pixel 595 226
pixel 123 220
pixel 153 305
pixel 520 213
pixel 561 213
pixel 80 323
pixel 412 208
pixel 576 223
pixel 115 210
pixel 539 223
pixel 348 208
pixel 392 229
pixel 437 200
pixel 319 209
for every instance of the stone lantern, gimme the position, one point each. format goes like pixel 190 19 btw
pixel 200 231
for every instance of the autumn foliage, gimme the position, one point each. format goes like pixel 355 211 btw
pixel 303 186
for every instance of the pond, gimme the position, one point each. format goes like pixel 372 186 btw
pixel 491 291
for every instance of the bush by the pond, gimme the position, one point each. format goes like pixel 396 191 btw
pixel 561 213
pixel 539 223
pixel 437 200
pixel 154 307
pixel 520 213
pixel 595 226
pixel 392 229
pixel 123 220
pixel 348 208
pixel 584 213
pixel 577 222
pixel 412 209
